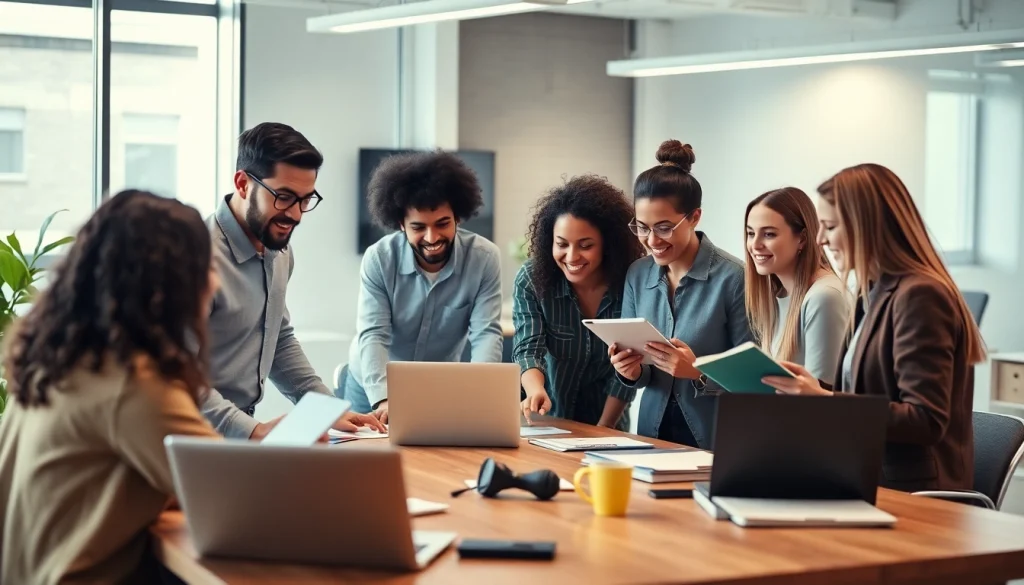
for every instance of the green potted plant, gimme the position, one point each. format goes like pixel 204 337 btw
pixel 19 273
pixel 518 249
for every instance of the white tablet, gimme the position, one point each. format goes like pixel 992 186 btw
pixel 632 334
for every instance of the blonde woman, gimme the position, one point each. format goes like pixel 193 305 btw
pixel 796 305
pixel 913 337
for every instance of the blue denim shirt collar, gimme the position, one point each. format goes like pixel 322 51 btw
pixel 407 263
pixel 701 263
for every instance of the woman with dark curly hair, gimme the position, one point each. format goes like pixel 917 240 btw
pixel 580 248
pixel 429 287
pixel 109 361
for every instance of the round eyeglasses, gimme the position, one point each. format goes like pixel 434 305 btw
pixel 662 231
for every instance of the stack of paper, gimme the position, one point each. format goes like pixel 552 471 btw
pixel 591 444
pixel 661 465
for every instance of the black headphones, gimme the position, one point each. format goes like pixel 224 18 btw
pixel 495 477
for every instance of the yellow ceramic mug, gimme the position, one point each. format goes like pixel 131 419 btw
pixel 610 484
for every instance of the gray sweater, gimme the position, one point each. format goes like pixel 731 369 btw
pixel 824 315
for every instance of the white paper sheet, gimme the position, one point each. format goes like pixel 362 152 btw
pixel 418 507
pixel 313 414
pixel 541 431
pixel 361 433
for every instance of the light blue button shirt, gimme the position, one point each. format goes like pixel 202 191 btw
pixel 403 316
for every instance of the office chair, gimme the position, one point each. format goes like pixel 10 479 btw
pixel 976 302
pixel 339 380
pixel 998 447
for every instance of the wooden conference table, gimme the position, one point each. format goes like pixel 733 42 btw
pixel 659 541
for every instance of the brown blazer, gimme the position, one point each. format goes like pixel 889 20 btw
pixel 912 349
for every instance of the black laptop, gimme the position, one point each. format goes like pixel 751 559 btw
pixel 802 459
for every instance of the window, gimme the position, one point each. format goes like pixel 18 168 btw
pixel 45 117
pixel 151 153
pixel 951 147
pixel 172 106
pixel 163 102
pixel 12 143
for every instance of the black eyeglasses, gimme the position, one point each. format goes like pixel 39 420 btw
pixel 283 201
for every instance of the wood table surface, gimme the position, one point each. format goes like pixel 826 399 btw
pixel 659 541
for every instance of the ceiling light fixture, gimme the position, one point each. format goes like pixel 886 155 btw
pixel 813 55
pixel 423 12
pixel 1012 58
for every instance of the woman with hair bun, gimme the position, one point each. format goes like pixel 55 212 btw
pixel 690 290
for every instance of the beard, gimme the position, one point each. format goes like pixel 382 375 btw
pixel 261 229
pixel 440 258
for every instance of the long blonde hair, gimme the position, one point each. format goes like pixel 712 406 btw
pixel 886 235
pixel 797 210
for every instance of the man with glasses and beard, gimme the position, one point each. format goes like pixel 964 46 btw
pixel 430 286
pixel 250 336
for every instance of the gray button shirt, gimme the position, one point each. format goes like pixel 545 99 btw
pixel 708 314
pixel 251 337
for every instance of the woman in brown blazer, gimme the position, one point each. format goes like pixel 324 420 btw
pixel 913 337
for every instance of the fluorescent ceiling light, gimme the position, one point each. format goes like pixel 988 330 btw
pixel 1000 59
pixel 424 12
pixel 812 55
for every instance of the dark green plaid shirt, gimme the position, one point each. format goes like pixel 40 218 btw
pixel 551 337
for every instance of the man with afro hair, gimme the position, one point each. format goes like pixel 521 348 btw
pixel 430 286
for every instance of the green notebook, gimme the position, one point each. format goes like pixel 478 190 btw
pixel 741 368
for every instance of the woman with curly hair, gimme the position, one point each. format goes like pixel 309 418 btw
pixel 109 361
pixel 580 248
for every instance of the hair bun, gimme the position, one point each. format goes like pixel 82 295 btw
pixel 677 153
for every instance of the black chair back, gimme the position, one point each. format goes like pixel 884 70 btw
pixel 976 302
pixel 998 447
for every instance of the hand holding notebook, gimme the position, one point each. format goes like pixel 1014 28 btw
pixel 741 369
pixel 801 381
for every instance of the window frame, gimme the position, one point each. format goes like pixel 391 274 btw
pixel 973 87
pixel 21 176
pixel 229 15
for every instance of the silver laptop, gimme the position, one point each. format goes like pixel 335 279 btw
pixel 317 504
pixel 453 404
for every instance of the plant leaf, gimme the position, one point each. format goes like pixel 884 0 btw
pixel 42 231
pixel 54 245
pixel 6 317
pixel 12 271
pixel 4 246
pixel 28 296
pixel 16 246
